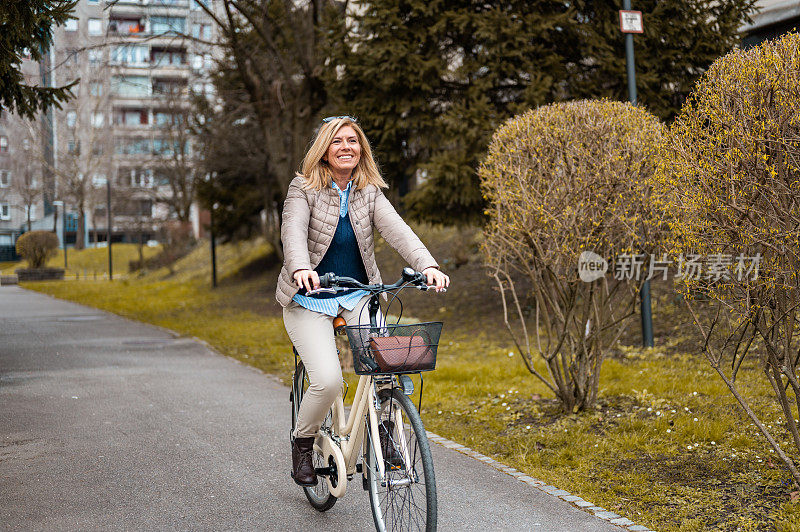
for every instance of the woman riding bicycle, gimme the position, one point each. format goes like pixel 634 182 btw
pixel 331 209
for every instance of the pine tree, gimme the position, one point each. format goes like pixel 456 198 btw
pixel 27 28
pixel 430 81
pixel 681 39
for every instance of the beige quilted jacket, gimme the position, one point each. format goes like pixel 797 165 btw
pixel 309 222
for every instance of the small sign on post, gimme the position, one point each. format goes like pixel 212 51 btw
pixel 631 22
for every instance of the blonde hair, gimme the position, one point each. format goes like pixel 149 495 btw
pixel 317 172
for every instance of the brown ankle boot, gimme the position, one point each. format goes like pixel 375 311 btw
pixel 302 465
pixel 389 448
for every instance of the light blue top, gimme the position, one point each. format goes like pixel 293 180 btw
pixel 348 301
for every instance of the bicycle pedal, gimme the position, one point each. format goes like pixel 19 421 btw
pixel 359 467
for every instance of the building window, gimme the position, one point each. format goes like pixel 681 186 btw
pixel 5 211
pixel 5 178
pixel 130 55
pixel 160 25
pixel 72 57
pixel 98 120
pixel 95 55
pixel 6 240
pixel 168 86
pixel 96 88
pixel 93 2
pixel 73 147
pixel 163 118
pixel 71 24
pixel 125 26
pixel 72 118
pixel 203 89
pixel 129 146
pixel 131 86
pixel 135 177
pixel 95 26
pixel 168 57
pixel 201 31
pixel 131 117
pixel 196 4
pixel 3 144
pixel 97 148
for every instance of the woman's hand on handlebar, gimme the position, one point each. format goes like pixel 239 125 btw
pixel 436 278
pixel 308 279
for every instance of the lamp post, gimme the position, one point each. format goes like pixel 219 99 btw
pixel 631 22
pixel 56 204
pixel 64 234
pixel 108 222
pixel 213 247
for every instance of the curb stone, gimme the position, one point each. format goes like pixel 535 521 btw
pixel 597 511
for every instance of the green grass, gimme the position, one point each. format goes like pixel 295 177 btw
pixel 91 262
pixel 665 446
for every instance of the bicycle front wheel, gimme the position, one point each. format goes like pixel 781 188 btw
pixel 319 496
pixel 406 498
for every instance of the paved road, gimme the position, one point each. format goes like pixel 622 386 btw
pixel 109 424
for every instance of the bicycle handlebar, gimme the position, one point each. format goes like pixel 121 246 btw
pixel 331 281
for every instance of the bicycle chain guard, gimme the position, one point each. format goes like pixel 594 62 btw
pixel 327 448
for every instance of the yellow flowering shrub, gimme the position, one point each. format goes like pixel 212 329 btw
pixel 36 247
pixel 561 180
pixel 729 182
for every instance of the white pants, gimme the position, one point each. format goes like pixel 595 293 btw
pixel 312 335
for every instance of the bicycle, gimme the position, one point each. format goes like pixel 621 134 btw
pixel 402 487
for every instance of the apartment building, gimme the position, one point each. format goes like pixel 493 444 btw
pixel 138 63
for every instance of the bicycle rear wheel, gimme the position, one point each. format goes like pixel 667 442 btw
pixel 406 498
pixel 319 496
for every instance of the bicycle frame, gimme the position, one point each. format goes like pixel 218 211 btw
pixel 347 436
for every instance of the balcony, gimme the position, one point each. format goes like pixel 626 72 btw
pixel 128 27
pixel 132 119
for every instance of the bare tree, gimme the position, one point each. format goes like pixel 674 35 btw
pixel 25 169
pixel 730 185
pixel 564 180
pixel 275 53
pixel 83 152
pixel 174 163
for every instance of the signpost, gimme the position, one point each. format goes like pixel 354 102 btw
pixel 631 22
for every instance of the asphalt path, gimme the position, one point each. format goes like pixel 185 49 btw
pixel 110 424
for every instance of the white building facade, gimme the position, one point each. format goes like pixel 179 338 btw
pixel 139 63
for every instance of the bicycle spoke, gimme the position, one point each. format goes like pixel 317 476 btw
pixel 403 502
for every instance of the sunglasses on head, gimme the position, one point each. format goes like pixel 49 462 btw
pixel 330 118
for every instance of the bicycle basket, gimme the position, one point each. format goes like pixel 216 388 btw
pixel 394 348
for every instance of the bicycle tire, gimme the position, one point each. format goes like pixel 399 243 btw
pixel 401 508
pixel 318 496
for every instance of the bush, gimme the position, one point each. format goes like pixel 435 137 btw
pixel 36 247
pixel 561 180
pixel 731 182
